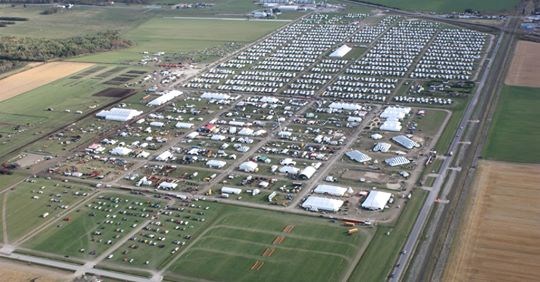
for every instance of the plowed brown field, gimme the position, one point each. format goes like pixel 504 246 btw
pixel 25 81
pixel 525 67
pixel 498 239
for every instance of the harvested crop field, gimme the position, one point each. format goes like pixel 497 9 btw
pixel 27 80
pixel 525 67
pixel 115 92
pixel 498 240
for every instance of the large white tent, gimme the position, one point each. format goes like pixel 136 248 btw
pixel 376 200
pixel 358 156
pixel 341 52
pixel 330 190
pixel 165 98
pixel 118 114
pixel 314 203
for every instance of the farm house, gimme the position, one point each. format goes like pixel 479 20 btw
pixel 315 203
pixel 376 200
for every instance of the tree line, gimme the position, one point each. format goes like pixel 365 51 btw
pixel 41 49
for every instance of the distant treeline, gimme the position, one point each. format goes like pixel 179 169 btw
pixel 6 66
pixel 76 2
pixel 13 19
pixel 39 49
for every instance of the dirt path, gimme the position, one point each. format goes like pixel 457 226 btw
pixel 4 221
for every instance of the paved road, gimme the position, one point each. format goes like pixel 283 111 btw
pixel 73 267
pixel 412 240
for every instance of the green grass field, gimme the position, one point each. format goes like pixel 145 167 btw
pixel 174 35
pixel 515 132
pixel 80 232
pixel 28 202
pixel 444 6
pixel 432 122
pixel 26 116
pixel 79 20
pixel 379 257
pixel 315 250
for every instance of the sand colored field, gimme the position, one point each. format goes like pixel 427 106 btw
pixel 498 239
pixel 27 80
pixel 22 272
pixel 525 67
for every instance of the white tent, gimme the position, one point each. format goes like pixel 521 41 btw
pixel 165 98
pixel 341 51
pixel 405 142
pixel 345 106
pixel 230 190
pixel 376 200
pixel 358 156
pixel 307 172
pixel 184 125
pixel 215 96
pixel 167 185
pixel 118 114
pixel 164 156
pixel 382 147
pixel 216 163
pixel 249 166
pixel 330 190
pixel 397 161
pixel 391 125
pixel 289 170
pixel 120 151
pixel 314 203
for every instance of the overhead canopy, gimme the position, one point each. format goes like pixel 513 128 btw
pixel 165 98
pixel 358 156
pixel 405 142
pixel 314 203
pixel 331 190
pixel 376 200
pixel 118 114
pixel 341 51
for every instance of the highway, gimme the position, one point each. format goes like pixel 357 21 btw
pixel 447 173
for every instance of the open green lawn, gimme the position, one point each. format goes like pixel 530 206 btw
pixel 431 122
pixel 79 20
pixel 379 258
pixel 175 35
pixel 221 7
pixel 515 132
pixel 315 250
pixel 26 116
pixel 444 6
pixel 100 223
pixel 29 201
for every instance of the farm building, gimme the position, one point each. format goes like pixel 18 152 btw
pixel 314 203
pixel 331 190
pixel 165 98
pixel 397 161
pixel 358 156
pixel 307 172
pixel 230 190
pixel 341 52
pixel 376 200
pixel 216 164
pixel 249 166
pixel 118 114
pixel 405 142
